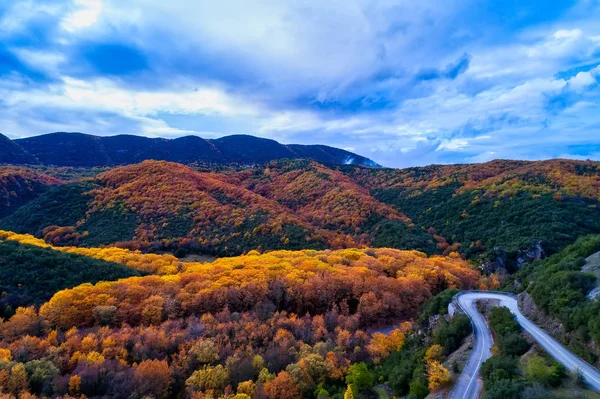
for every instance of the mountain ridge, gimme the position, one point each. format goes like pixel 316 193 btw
pixel 85 150
pixel 499 214
pixel 12 153
pixel 159 204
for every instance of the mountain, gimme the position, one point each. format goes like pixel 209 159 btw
pixel 500 213
pixel 331 200
pixel 162 205
pixel 83 150
pixel 321 195
pixel 167 204
pixel 332 155
pixel 12 153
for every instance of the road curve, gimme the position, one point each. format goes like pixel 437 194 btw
pixel 468 386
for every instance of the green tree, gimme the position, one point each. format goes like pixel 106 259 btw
pixel 499 367
pixel 503 322
pixel 359 378
pixel 418 389
pixel 451 334
pixel 40 374
pixel 536 369
pixel 504 389
pixel 513 344
pixel 208 378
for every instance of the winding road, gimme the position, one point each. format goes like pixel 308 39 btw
pixel 468 386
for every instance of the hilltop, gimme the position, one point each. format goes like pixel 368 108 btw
pixel 169 206
pixel 502 212
pixel 12 153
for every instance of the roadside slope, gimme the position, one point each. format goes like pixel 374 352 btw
pixel 464 387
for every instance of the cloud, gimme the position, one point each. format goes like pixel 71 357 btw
pixel 583 80
pixel 402 82
pixel 84 16
pixel 103 95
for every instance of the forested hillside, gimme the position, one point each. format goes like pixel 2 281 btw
pixel 166 206
pixel 12 153
pixel 327 198
pixel 501 214
pixel 18 186
pixel 30 275
pixel 85 150
pixel 162 264
pixel 289 318
pixel 559 287
pixel 499 210
pixel 221 199
pixel 278 325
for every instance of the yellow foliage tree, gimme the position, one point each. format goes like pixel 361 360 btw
pixel 381 345
pixel 434 353
pixel 74 385
pixel 18 380
pixel 437 375
pixel 5 355
pixel 348 394
pixel 246 388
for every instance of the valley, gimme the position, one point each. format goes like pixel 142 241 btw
pixel 282 279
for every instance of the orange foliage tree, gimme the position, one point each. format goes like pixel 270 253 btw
pixel 300 281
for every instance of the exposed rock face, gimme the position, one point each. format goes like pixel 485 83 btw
pixel 592 265
pixel 529 255
pixel 554 327
pixel 594 294
pixel 505 264
pixel 493 266
pixel 451 308
pixel 529 309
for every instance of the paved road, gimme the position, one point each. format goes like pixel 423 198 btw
pixel 468 387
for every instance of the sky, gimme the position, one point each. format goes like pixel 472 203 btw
pixel 403 82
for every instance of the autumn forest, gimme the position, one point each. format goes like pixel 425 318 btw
pixel 279 280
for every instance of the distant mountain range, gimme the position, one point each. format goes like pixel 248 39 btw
pixel 77 149
pixel 12 153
